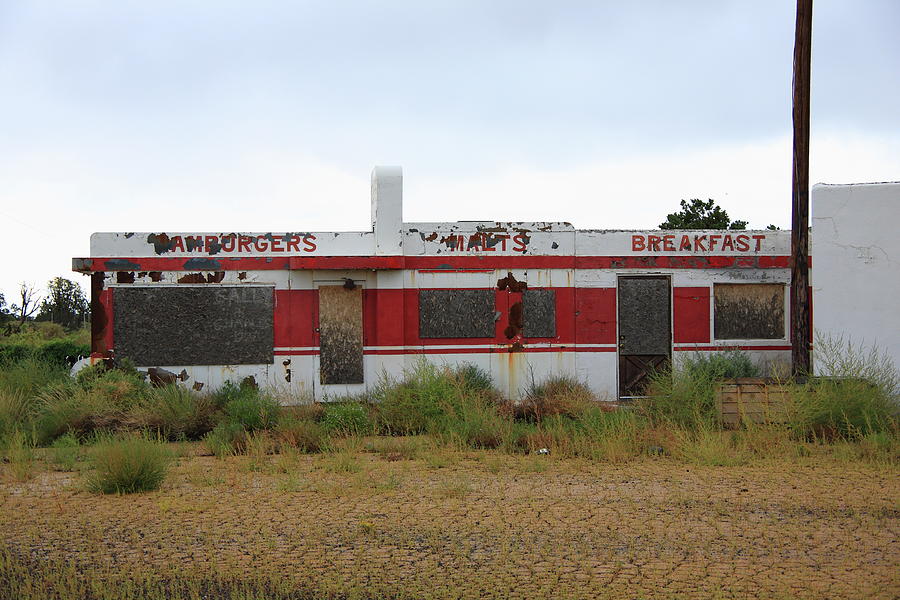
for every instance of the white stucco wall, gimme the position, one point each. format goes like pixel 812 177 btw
pixel 856 263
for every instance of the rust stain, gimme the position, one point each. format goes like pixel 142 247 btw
pixel 249 382
pixel 125 277
pixel 216 277
pixel 242 275
pixel 431 237
pixel 197 386
pixel 160 377
pixel 516 321
pixel 192 278
pixel 99 318
pixel 516 346
pixel 155 276
pixel 510 283
pixel 162 243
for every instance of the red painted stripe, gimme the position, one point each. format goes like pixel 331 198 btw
pixel 430 263
pixel 405 351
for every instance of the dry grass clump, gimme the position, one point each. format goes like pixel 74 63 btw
pixel 560 395
pixel 127 465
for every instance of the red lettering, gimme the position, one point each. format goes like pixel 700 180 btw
pixel 669 243
pixel 485 243
pixel 727 243
pixel 194 242
pixel 261 244
pixel 228 243
pixel 276 243
pixel 210 242
pixel 178 243
pixel 712 241
pixel 685 243
pixel 243 243
pixel 521 242
pixel 638 243
pixel 743 243
pixel 503 237
pixel 293 243
pixel 309 240
pixel 653 243
pixel 698 243
pixel 759 239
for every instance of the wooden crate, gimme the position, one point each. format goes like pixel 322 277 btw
pixel 751 399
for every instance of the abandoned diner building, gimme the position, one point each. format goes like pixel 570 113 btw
pixel 326 314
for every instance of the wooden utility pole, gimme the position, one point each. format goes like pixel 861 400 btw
pixel 800 321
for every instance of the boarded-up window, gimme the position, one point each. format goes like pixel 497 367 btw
pixel 456 313
pixel 169 326
pixel 540 313
pixel 340 334
pixel 749 311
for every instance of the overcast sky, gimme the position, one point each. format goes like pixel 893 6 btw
pixel 269 116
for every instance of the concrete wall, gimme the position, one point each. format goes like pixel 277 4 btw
pixel 856 263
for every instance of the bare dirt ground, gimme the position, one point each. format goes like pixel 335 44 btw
pixel 486 525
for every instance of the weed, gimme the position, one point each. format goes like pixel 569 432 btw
pixel 177 413
pixel 302 434
pixel 128 464
pixel 226 439
pixel 557 395
pixel 20 454
pixel 65 451
pixel 709 447
pixel 343 462
pixel 347 418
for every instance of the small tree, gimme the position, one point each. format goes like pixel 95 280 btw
pixel 65 303
pixel 701 215
pixel 28 303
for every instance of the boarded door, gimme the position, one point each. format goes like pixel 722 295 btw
pixel 340 334
pixel 645 338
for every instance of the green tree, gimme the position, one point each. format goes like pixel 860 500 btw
pixel 701 215
pixel 65 304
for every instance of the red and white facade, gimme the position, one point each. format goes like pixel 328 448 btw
pixel 395 262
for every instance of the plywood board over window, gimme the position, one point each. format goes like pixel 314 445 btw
pixel 456 313
pixel 228 325
pixel 749 311
pixel 540 313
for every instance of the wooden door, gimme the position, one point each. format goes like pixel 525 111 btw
pixel 645 331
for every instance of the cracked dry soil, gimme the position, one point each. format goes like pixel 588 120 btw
pixel 486 525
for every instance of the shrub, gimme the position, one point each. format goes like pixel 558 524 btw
pixel 558 395
pixel 475 424
pixel 29 375
pixel 178 413
pixel 472 378
pixel 65 452
pixel 839 358
pixel 840 408
pixel 302 434
pixel 347 418
pixel 227 439
pixel 252 412
pixel 118 388
pixel 127 465
pixel 685 397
